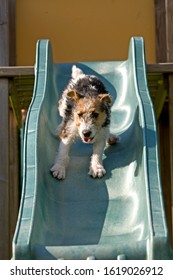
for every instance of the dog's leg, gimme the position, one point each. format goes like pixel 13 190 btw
pixel 62 159
pixel 113 139
pixel 96 164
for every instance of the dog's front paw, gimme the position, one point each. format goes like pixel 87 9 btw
pixel 58 171
pixel 97 171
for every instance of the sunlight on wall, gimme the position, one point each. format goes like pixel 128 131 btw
pixel 90 30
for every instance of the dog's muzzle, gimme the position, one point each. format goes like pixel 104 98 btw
pixel 87 136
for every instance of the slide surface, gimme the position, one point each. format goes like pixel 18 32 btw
pixel 120 216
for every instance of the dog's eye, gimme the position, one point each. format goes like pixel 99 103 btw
pixel 94 115
pixel 80 114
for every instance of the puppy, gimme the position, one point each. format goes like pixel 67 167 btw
pixel 85 110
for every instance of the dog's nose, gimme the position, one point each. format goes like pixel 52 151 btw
pixel 86 133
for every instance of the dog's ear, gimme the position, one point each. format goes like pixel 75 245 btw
pixel 74 95
pixel 76 72
pixel 106 98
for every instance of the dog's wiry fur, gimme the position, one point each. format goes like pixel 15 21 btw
pixel 85 110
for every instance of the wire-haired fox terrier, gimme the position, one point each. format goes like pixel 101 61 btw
pixel 85 108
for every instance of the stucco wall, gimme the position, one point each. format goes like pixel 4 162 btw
pixel 84 30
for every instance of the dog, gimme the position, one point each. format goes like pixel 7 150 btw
pixel 85 108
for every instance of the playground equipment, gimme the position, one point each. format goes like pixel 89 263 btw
pixel 120 216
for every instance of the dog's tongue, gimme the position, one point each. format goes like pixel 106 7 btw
pixel 87 139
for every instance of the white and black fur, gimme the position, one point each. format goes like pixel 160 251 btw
pixel 85 110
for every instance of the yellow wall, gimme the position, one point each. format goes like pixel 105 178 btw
pixel 84 30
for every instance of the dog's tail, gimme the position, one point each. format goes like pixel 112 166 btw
pixel 76 72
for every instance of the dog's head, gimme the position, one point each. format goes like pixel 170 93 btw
pixel 90 114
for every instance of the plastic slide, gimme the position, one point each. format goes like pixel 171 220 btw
pixel 120 216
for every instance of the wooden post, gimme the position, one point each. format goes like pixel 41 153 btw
pixel 7 57
pixel 169 52
pixel 164 53
pixel 160 27
pixel 171 137
pixel 4 136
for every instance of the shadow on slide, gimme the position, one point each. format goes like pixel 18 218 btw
pixel 120 216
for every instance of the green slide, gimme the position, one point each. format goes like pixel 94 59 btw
pixel 120 216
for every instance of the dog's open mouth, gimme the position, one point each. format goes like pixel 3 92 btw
pixel 88 139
